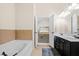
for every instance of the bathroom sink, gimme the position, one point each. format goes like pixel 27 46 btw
pixel 76 36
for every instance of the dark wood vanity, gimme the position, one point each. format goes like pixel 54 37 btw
pixel 66 47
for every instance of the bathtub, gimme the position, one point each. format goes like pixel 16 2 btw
pixel 21 47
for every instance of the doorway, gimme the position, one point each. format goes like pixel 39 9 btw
pixel 42 30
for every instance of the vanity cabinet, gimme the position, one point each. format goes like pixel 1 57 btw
pixel 57 43
pixel 65 47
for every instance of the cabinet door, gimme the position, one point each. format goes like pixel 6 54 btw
pixel 55 40
pixel 57 43
pixel 51 30
pixel 67 48
pixel 62 46
pixel 75 49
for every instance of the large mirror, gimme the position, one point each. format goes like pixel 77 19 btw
pixel 75 22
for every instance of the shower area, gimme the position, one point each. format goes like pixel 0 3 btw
pixel 43 30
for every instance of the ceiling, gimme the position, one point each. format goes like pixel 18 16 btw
pixel 45 9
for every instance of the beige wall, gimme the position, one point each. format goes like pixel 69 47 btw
pixel 7 16
pixel 19 17
pixel 24 20
pixel 7 22
pixel 16 21
pixel 24 16
pixel 45 9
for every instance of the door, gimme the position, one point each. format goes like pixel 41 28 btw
pixel 51 30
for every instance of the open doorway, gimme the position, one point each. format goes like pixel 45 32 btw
pixel 41 30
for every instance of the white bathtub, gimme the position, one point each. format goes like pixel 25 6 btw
pixel 21 47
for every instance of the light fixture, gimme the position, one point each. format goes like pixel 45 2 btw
pixel 71 7
pixel 69 10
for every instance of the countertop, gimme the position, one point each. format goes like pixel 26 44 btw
pixel 68 37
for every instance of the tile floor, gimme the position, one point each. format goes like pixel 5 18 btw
pixel 38 51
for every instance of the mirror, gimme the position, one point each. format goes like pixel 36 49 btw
pixel 75 22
